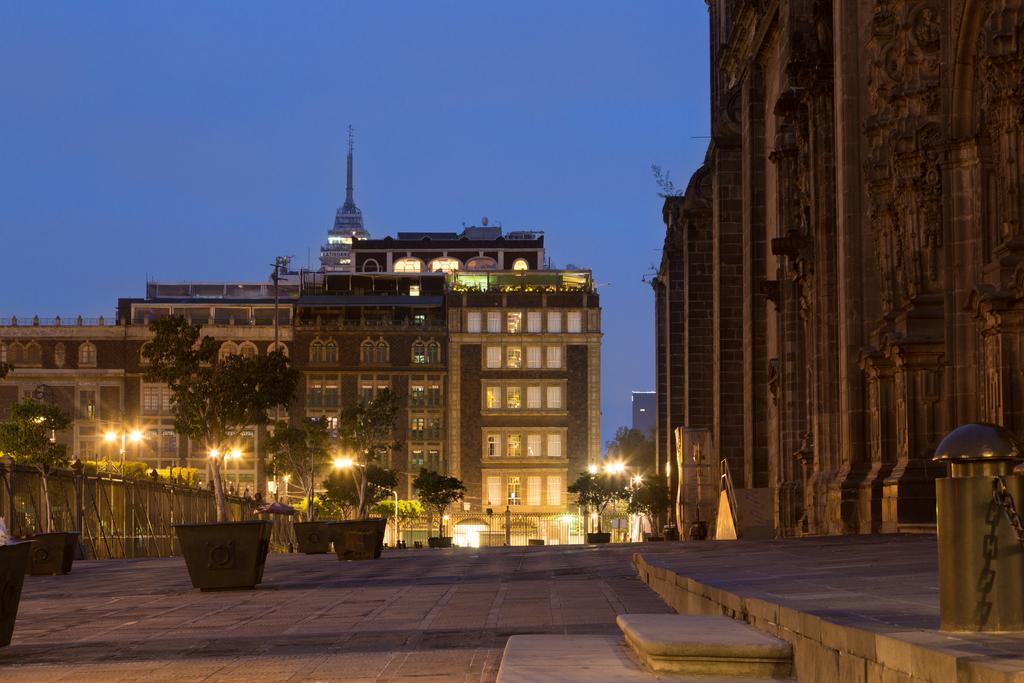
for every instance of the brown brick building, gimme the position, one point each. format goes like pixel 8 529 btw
pixel 840 283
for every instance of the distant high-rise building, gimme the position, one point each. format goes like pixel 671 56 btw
pixel 336 255
pixel 645 412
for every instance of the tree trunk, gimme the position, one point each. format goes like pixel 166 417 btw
pixel 361 512
pixel 218 491
pixel 309 502
pixel 45 518
pixel 440 522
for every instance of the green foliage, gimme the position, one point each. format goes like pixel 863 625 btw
pixel 438 491
pixel 214 399
pixel 596 491
pixel 651 498
pixel 341 487
pixel 366 433
pixel 189 475
pixel 634 448
pixel 300 452
pixel 132 468
pixel 323 508
pixel 408 510
pixel 27 435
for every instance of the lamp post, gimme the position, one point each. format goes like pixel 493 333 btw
pixel 125 435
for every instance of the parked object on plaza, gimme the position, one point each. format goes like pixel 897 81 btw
pixel 981 539
pixel 599 537
pixel 53 553
pixel 14 559
pixel 314 538
pixel 439 542
pixel 359 539
pixel 225 555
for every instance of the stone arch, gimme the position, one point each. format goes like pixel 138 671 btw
pixel 228 348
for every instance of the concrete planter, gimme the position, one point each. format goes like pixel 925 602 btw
pixel 361 539
pixel 314 538
pixel 14 559
pixel 53 553
pixel 440 542
pixel 225 555
pixel 602 537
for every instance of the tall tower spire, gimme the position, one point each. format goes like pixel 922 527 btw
pixel 350 202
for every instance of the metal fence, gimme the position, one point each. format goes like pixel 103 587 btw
pixel 117 517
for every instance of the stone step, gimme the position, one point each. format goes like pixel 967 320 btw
pixel 705 646
pixel 585 659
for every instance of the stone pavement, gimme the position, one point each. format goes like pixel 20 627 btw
pixel 859 608
pixel 423 615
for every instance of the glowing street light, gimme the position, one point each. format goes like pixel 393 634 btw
pixel 592 469
pixel 344 463
pixel 615 468
pixel 214 453
pixel 637 480
pixel 134 436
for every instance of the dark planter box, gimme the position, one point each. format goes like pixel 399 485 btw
pixel 699 531
pixel 53 553
pixel 653 538
pixel 535 541
pixel 602 537
pixel 313 537
pixel 14 560
pixel 440 542
pixel 225 555
pixel 361 539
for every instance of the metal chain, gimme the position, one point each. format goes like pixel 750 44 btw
pixel 1003 498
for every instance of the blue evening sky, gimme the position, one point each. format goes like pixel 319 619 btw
pixel 195 141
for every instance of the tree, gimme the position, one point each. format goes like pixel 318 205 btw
pixel 633 447
pixel 342 489
pixel 29 436
pixel 214 399
pixel 408 511
pixel 650 498
pixel 301 452
pixel 596 491
pixel 365 432
pixel 438 491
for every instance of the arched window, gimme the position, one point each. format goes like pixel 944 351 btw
pixel 331 352
pixel 382 352
pixel 280 347
pixel 433 352
pixel 419 351
pixel 445 264
pixel 3 352
pixel 367 352
pixel 247 350
pixel 371 266
pixel 520 264
pixel 316 351
pixel 227 349
pixel 34 354
pixel 87 355
pixel 16 354
pixel 59 355
pixel 142 353
pixel 481 263
pixel 409 264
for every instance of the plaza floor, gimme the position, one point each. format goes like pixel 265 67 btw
pixel 414 615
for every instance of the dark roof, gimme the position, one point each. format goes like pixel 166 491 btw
pixel 445 242
pixel 341 301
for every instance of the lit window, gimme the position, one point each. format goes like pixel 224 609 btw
pixel 493 446
pixel 533 398
pixel 419 352
pixel 473 322
pixel 414 290
pixel 226 349
pixel 533 445
pixel 493 321
pixel 417 458
pixel 346 240
pixel 417 395
pixel 554 354
pixel 554 490
pixel 555 398
pixel 417 425
pixel 574 322
pixel 533 321
pixel 513 397
pixel 494 356
pixel 514 491
pixel 86 355
pixel 533 357
pixel 445 264
pixel 533 491
pixel 520 264
pixel 493 399
pixel 513 322
pixel 247 350
pixel 481 263
pixel 514 445
pixel 514 357
pixel 494 490
pixel 554 446
pixel 554 321
pixel 409 264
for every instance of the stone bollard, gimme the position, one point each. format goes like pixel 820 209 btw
pixel 981 556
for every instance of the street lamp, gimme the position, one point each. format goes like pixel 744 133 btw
pixel 133 435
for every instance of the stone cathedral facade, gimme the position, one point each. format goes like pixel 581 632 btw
pixel 842 280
